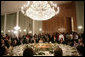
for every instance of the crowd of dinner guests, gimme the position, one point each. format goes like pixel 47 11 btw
pixel 72 39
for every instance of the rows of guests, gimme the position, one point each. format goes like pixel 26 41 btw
pixel 72 39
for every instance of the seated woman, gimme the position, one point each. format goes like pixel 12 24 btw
pixel 61 41
pixel 28 52
pixel 61 38
pixel 80 42
pixel 41 40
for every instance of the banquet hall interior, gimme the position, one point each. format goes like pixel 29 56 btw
pixel 42 28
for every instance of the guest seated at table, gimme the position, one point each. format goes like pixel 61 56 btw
pixel 8 43
pixel 75 44
pixel 2 42
pixel 80 50
pixel 3 51
pixel 6 37
pixel 41 40
pixel 14 43
pixel 61 41
pixel 80 42
pixel 54 39
pixel 48 40
pixel 61 36
pixel 76 36
pixel 58 52
pixel 21 41
pixel 28 52
pixel 36 39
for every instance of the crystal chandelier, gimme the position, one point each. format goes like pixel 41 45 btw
pixel 40 10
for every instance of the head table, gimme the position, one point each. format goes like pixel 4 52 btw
pixel 43 49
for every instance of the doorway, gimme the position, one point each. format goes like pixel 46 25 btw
pixel 69 24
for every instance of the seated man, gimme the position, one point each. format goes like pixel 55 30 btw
pixel 54 39
pixel 14 43
pixel 80 50
pixel 2 42
pixel 58 52
pixel 4 51
pixel 28 52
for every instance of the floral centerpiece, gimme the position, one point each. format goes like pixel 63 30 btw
pixel 44 49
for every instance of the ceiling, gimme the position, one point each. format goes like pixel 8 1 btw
pixel 14 6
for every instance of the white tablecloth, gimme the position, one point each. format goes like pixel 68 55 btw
pixel 67 50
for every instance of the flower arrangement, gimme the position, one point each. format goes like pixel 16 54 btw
pixel 44 49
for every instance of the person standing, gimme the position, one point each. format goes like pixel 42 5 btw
pixel 61 37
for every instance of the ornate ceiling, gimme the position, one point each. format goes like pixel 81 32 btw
pixel 13 6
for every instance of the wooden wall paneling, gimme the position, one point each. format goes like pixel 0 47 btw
pixel 58 21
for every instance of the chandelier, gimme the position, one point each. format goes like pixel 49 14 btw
pixel 40 10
